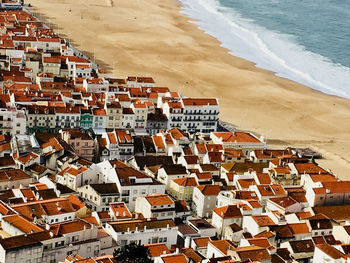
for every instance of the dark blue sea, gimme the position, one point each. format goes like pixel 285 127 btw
pixel 307 41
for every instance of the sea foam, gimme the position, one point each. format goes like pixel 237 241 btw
pixel 270 50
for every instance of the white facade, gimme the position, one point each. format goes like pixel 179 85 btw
pixel 199 115
pixel 203 204
pixel 144 235
pixel 96 85
pixel 12 121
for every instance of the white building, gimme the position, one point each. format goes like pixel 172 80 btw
pixel 143 232
pixel 12 121
pixel 200 115
pixel 78 67
pixel 225 216
pixel 95 85
pixel 174 112
pixel 159 206
pixel 131 183
pixel 204 199
pixel 67 117
pixel 245 141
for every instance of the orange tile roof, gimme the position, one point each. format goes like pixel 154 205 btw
pixel 199 102
pixel 245 183
pixel 201 148
pixel 229 211
pixel 22 224
pixel 120 210
pixel 77 204
pixel 260 242
pixel 299 228
pixel 27 158
pixel 91 220
pixel 263 178
pixel 112 138
pixel 214 147
pixel 186 181
pixel 70 227
pixel 174 259
pixel 56 60
pixel 263 220
pixel 158 141
pixel 156 250
pixel 239 137
pixel 75 172
pixel 337 187
pixel 222 245
pixel 201 241
pixel 204 176
pixel 284 201
pixel 159 199
pixel 209 189
pixel 309 168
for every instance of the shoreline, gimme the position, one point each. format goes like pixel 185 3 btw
pixel 247 40
pixel 176 53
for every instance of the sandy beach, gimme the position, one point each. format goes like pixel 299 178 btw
pixel 152 38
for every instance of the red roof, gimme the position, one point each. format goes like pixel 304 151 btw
pixel 229 211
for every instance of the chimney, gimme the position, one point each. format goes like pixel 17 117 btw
pixel 47 226
pixel 128 230
pixel 124 214
pixel 117 213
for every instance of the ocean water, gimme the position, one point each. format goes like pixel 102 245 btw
pixel 307 41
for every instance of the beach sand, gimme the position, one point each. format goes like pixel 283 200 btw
pixel 152 38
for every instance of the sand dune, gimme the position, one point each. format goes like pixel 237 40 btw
pixel 151 38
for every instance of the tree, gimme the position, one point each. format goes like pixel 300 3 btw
pixel 132 253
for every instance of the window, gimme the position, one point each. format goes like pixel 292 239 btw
pixel 59 244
